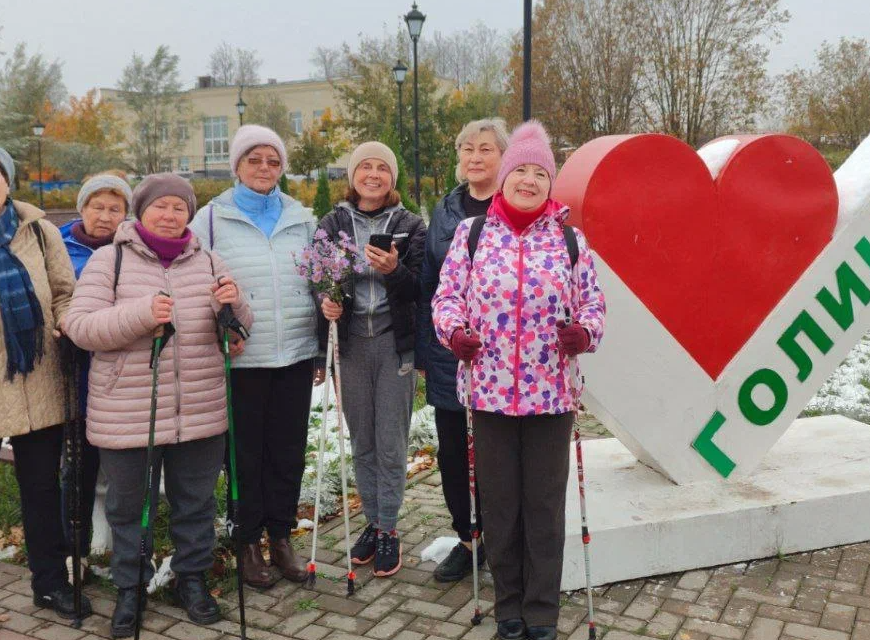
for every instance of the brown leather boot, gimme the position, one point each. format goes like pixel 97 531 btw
pixel 256 572
pixel 283 556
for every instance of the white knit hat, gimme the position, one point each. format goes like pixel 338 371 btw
pixel 253 135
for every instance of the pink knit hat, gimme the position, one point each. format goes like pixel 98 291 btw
pixel 528 144
pixel 253 135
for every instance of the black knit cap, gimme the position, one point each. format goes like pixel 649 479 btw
pixel 158 185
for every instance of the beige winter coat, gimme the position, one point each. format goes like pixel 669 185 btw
pixel 119 330
pixel 35 401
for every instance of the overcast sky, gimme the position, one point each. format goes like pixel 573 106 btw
pixel 96 38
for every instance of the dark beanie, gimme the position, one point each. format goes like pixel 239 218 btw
pixel 158 185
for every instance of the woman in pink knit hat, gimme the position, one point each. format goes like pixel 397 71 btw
pixel 514 307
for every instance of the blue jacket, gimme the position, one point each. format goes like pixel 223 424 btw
pixel 78 253
pixel 438 362
pixel 285 325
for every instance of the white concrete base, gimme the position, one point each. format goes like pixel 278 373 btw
pixel 812 490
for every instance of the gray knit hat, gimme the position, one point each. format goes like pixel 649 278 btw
pixel 104 182
pixel 162 184
pixel 7 167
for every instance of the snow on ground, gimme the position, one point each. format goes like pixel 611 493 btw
pixel 847 391
pixel 439 549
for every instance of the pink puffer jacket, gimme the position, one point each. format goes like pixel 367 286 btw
pixel 118 328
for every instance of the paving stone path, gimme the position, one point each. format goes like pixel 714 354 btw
pixel 824 595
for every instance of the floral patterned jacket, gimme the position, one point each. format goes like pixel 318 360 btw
pixel 518 288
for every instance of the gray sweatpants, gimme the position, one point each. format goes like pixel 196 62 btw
pixel 191 470
pixel 377 391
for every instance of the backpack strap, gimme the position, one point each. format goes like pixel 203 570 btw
pixel 119 254
pixel 211 227
pixel 40 236
pixel 571 244
pixel 477 228
pixel 474 235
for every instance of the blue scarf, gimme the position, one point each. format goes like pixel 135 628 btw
pixel 19 307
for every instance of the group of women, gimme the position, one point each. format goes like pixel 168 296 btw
pixel 490 304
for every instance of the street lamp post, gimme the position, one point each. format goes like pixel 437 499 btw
pixel 240 107
pixel 527 60
pixel 38 130
pixel 415 19
pixel 399 72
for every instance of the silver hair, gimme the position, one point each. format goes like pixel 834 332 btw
pixel 475 127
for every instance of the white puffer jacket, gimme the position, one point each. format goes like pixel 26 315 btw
pixel 285 326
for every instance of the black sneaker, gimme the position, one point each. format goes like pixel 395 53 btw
pixel 458 564
pixel 192 595
pixel 364 548
pixel 62 602
pixel 388 556
pixel 511 629
pixel 124 615
pixel 544 632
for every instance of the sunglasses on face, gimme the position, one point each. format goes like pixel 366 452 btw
pixel 272 163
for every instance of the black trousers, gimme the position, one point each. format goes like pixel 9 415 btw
pixel 270 409
pixel 522 465
pixel 453 463
pixel 90 469
pixel 37 469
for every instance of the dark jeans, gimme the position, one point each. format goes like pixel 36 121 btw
pixel 37 467
pixel 90 469
pixel 270 409
pixel 191 471
pixel 522 465
pixel 453 462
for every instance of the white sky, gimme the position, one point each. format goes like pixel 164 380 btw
pixel 96 38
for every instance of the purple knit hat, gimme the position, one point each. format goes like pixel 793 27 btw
pixel 528 144
pixel 253 135
pixel 158 185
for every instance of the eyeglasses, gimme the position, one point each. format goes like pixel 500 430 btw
pixel 273 163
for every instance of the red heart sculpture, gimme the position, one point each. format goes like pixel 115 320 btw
pixel 709 258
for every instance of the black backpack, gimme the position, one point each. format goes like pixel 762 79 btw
pixel 477 227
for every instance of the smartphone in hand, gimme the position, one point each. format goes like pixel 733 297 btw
pixel 382 241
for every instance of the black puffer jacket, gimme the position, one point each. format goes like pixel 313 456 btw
pixel 402 285
pixel 438 362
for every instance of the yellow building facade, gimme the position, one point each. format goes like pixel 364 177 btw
pixel 214 119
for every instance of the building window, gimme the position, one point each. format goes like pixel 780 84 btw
pixel 318 114
pixel 296 122
pixel 216 135
pixel 183 133
pixel 184 163
pixel 163 132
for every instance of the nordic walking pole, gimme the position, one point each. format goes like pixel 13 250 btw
pixel 227 320
pixel 312 566
pixel 351 575
pixel 161 335
pixel 73 450
pixel 582 484
pixel 472 489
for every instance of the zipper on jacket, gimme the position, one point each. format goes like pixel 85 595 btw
pixel 516 401
pixel 175 362
pixel 279 318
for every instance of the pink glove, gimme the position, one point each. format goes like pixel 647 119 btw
pixel 573 338
pixel 465 346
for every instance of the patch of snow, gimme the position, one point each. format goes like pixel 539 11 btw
pixel 8 552
pixel 847 391
pixel 439 549
pixel 102 572
pixel 305 523
pixel 716 154
pixel 162 577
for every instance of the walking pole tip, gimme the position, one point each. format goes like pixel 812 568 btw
pixel 477 618
pixel 312 575
pixel 351 577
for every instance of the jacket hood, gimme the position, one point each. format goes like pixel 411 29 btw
pixel 27 213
